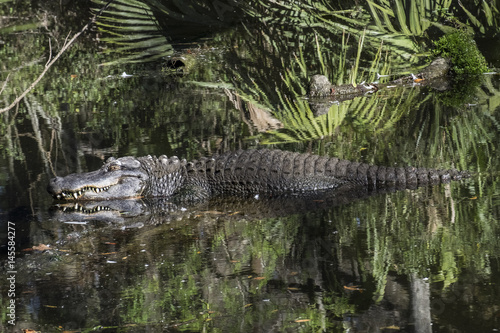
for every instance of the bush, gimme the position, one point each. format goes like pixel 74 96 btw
pixel 462 50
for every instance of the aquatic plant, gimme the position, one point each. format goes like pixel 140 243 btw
pixel 462 50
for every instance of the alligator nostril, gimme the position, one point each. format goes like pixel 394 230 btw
pixel 52 188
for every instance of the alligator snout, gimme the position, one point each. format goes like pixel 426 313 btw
pixel 53 187
pixel 102 184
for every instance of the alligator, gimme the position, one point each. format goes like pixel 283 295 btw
pixel 322 93
pixel 432 75
pixel 259 172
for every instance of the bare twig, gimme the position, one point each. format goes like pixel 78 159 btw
pixel 5 83
pixel 50 53
pixel 49 64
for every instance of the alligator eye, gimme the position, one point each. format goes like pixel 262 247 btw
pixel 114 167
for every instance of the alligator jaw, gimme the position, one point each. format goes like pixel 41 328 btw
pixel 76 194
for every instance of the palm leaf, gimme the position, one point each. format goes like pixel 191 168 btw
pixel 130 27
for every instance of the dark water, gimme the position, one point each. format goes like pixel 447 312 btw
pixel 414 260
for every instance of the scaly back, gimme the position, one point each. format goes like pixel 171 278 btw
pixel 277 171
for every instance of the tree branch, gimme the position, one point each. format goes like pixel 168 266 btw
pixel 49 63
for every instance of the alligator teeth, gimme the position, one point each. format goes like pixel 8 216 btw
pixel 78 193
pixel 84 210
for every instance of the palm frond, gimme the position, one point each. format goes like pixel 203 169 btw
pixel 131 29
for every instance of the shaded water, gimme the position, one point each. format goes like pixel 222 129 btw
pixel 416 260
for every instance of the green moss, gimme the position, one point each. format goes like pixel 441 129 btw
pixel 462 50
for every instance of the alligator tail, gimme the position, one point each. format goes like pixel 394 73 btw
pixel 380 176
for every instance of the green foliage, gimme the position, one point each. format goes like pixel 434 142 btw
pixel 131 32
pixel 409 18
pixel 484 16
pixel 461 48
pixel 462 91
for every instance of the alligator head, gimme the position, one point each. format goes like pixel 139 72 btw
pixel 118 178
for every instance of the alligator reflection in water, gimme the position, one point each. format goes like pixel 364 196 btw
pixel 155 211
